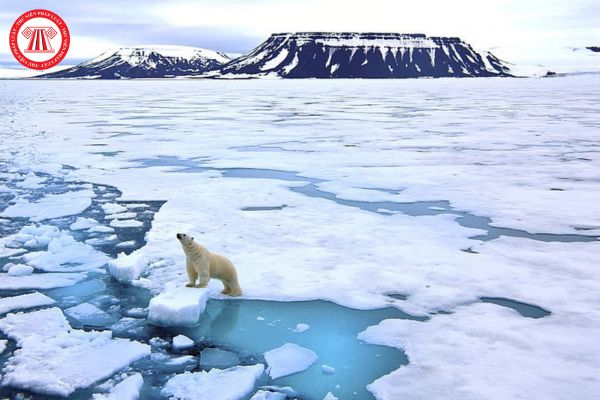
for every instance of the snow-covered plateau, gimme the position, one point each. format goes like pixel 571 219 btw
pixel 414 239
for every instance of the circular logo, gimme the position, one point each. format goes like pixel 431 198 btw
pixel 39 39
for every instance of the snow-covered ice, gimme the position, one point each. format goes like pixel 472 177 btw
pixel 178 306
pixel 127 389
pixel 216 384
pixel 300 328
pixel 289 359
pixel 20 270
pixel 127 268
pixel 327 369
pixel 182 342
pixel 51 206
pixel 24 301
pixel 55 359
pixel 3 344
pixel 125 223
pixel 83 223
pixel 268 395
pixel 521 152
pixel 40 281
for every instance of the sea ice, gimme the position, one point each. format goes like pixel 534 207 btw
pixel 24 301
pixel 299 328
pixel 3 344
pixel 89 314
pixel 217 358
pixel 181 342
pixel 126 223
pixel 39 281
pixel 51 206
pixel 65 254
pixel 216 384
pixel 127 389
pixel 113 208
pixel 125 215
pixel 127 268
pixel 101 229
pixel 326 369
pixel 268 395
pixel 54 359
pixel 20 270
pixel 330 396
pixel 289 359
pixel 178 306
pixel 83 223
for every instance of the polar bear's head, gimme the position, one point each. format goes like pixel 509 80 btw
pixel 185 240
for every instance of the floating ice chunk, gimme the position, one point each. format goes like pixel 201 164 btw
pixel 137 312
pixel 301 328
pixel 125 215
pixel 61 364
pixel 113 208
pixel 217 358
pixel 101 229
pixel 229 384
pixel 266 395
pixel 89 314
pixel 39 281
pixel 43 324
pixel 31 181
pixel 127 389
pixel 129 243
pixel 169 360
pixel 178 306
pixel 330 396
pixel 126 223
pixel 181 342
pixel 3 344
pixel 9 252
pixel 137 206
pixel 20 270
pixel 51 206
pixel 65 254
pixel 23 301
pixel 289 359
pixel 83 223
pixel 99 241
pixel 127 268
pixel 326 369
pixel 158 342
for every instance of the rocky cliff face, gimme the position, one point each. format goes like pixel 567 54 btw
pixel 365 55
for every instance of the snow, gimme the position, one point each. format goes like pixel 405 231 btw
pixel 54 359
pixel 289 359
pixel 3 344
pixel 113 208
pixel 127 268
pixel 20 270
pixel 178 306
pixel 229 384
pixel 330 396
pixel 50 206
pixel 275 61
pixel 23 301
pixel 39 281
pixel 181 342
pixel 127 389
pixel 83 223
pixel 300 328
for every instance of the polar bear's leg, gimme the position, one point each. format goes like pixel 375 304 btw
pixel 204 272
pixel 191 272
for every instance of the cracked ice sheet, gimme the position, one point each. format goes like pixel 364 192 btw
pixel 55 359
pixel 51 206
pixel 418 135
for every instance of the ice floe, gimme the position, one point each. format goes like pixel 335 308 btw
pixel 48 280
pixel 127 389
pixel 24 301
pixel 182 342
pixel 51 206
pixel 289 359
pixel 216 384
pixel 178 306
pixel 127 268
pixel 54 359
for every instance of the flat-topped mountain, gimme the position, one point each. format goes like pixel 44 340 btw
pixel 365 55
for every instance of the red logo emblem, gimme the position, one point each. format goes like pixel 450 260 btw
pixel 39 39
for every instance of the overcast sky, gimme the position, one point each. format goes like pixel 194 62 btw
pixel 236 26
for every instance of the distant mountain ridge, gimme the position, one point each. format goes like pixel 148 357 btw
pixel 154 61
pixel 365 55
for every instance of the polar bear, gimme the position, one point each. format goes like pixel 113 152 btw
pixel 200 263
